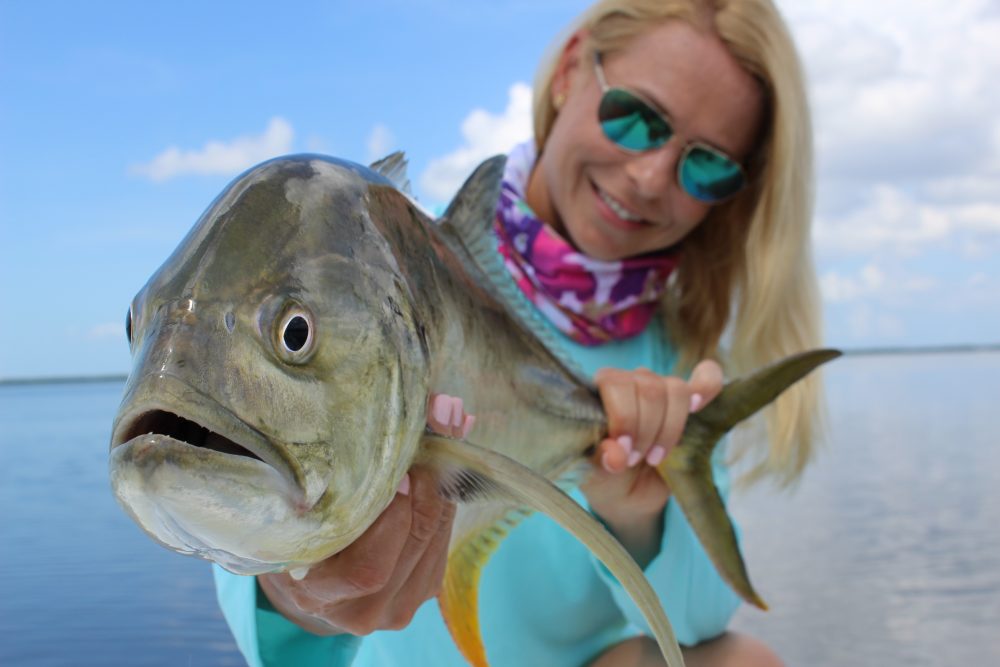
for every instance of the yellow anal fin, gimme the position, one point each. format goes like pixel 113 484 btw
pixel 459 597
pixel 469 474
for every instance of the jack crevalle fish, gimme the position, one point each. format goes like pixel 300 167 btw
pixel 283 358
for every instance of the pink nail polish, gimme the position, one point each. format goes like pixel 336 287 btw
pixel 441 409
pixel 626 442
pixel 696 400
pixel 656 455
pixel 604 463
pixel 404 485
pixel 634 458
pixel 456 411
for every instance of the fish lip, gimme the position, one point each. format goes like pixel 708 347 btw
pixel 210 414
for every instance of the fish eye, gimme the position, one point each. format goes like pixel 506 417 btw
pixel 296 335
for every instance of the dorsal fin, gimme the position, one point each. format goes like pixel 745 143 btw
pixel 468 225
pixel 393 166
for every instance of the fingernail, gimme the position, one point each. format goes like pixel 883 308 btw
pixel 656 455
pixel 696 400
pixel 456 411
pixel 442 410
pixel 467 426
pixel 404 485
pixel 626 442
pixel 604 462
pixel 634 458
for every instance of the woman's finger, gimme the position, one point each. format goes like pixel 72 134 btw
pixel 367 565
pixel 618 396
pixel 706 382
pixel 392 606
pixel 611 454
pixel 321 602
pixel 678 406
pixel 427 507
pixel 424 582
pixel 652 398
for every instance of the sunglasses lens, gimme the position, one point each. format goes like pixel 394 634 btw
pixel 630 122
pixel 710 176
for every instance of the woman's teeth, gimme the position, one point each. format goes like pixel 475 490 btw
pixel 619 210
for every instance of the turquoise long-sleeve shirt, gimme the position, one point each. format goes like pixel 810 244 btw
pixel 544 599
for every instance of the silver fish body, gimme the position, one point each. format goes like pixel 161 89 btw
pixel 296 453
pixel 284 356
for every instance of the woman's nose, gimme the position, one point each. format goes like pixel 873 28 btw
pixel 652 172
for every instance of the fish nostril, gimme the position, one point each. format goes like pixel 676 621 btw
pixel 230 321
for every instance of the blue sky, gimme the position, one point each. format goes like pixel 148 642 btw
pixel 120 122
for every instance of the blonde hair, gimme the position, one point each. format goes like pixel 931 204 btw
pixel 764 269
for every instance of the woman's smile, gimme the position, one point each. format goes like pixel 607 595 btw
pixel 611 203
pixel 616 212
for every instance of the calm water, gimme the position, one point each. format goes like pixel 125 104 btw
pixel 887 554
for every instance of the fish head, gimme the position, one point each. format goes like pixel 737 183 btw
pixel 279 373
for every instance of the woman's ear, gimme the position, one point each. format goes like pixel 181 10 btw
pixel 568 67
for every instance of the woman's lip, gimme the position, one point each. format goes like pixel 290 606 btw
pixel 609 215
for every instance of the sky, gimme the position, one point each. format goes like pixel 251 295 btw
pixel 121 121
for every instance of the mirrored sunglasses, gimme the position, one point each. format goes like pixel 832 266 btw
pixel 705 173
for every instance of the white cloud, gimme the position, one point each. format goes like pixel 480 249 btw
pixel 837 287
pixel 890 218
pixel 484 135
pixel 380 142
pixel 219 157
pixel 901 90
pixel 907 118
pixel 873 282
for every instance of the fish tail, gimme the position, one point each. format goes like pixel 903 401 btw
pixel 688 468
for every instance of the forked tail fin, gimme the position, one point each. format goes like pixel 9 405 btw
pixel 688 468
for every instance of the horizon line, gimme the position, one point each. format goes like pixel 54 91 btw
pixel 850 352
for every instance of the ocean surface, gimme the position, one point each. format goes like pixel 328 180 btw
pixel 887 553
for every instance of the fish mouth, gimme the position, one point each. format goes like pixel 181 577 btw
pixel 206 425
pixel 165 423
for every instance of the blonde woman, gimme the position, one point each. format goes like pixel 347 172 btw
pixel 671 172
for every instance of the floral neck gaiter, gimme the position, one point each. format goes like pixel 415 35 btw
pixel 591 301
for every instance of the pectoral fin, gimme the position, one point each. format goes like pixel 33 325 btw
pixel 688 468
pixel 470 474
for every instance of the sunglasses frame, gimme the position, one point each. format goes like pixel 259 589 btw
pixel 665 119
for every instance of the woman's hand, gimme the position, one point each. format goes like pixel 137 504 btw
pixel 380 580
pixel 646 416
